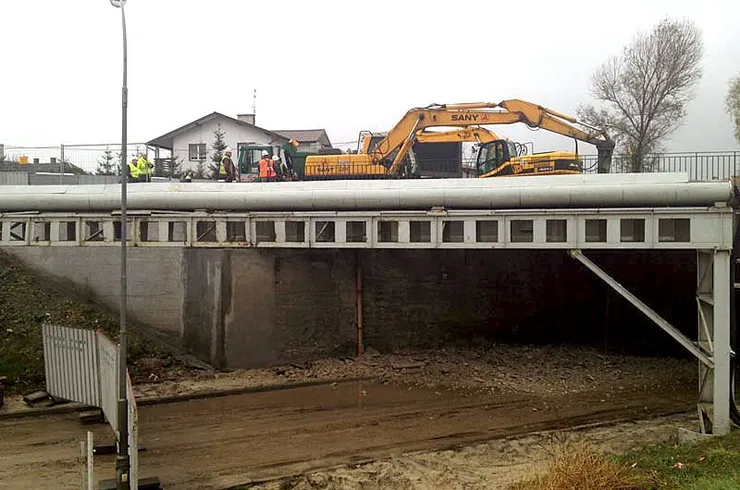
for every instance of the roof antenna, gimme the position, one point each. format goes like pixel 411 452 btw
pixel 254 106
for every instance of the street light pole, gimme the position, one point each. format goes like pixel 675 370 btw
pixel 122 458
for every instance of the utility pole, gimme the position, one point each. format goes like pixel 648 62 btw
pixel 123 464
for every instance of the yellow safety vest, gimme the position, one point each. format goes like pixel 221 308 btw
pixel 222 167
pixel 134 170
pixel 144 168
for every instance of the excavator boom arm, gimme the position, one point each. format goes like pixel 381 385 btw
pixel 473 135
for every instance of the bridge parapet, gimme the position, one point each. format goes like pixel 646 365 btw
pixel 618 228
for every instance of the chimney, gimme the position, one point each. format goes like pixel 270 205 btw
pixel 247 118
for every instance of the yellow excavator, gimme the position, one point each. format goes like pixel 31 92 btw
pixel 388 157
pixel 514 156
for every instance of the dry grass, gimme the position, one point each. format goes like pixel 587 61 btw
pixel 576 465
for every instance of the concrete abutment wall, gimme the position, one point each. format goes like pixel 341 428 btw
pixel 258 307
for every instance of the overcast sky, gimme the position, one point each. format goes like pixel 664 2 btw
pixel 342 66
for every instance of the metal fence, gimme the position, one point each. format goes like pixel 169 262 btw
pixel 14 178
pixel 90 159
pixel 82 366
pixel 711 165
pixel 100 164
pixel 71 364
pixel 108 368
pixel 133 435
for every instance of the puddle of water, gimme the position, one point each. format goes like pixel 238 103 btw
pixel 359 394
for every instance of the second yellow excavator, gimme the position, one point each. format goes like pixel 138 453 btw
pixel 387 156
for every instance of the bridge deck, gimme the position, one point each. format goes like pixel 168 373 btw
pixel 624 228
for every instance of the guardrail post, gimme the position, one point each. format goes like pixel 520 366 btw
pixel 696 166
pixel 61 164
pixel 90 467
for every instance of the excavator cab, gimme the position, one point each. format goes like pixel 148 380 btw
pixel 494 158
pixel 502 158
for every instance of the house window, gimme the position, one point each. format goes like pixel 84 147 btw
pixel 197 152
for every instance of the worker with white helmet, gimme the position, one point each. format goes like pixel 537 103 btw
pixel 279 167
pixel 267 168
pixel 227 170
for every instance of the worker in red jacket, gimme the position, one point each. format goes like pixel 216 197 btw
pixel 267 168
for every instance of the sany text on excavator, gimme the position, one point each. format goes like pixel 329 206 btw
pixel 385 159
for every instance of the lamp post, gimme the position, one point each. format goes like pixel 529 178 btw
pixel 122 458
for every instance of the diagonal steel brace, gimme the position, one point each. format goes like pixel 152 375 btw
pixel 689 344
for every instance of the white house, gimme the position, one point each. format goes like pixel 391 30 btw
pixel 192 143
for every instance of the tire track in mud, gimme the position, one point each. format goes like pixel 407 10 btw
pixel 226 441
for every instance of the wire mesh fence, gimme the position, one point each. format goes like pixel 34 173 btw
pixel 75 163
pixel 102 159
pixel 90 159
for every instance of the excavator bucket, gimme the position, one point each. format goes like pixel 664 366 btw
pixel 604 160
pixel 604 152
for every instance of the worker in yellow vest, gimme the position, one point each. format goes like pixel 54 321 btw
pixel 227 170
pixel 145 168
pixel 133 171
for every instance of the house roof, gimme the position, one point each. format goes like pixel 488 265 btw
pixel 166 140
pixel 305 135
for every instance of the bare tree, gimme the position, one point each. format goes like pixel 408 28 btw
pixel 732 103
pixel 643 92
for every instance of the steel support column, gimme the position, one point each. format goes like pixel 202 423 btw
pixel 713 347
pixel 713 305
pixel 359 300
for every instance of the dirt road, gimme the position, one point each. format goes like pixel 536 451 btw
pixel 218 442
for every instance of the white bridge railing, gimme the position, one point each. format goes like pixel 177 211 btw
pixel 661 228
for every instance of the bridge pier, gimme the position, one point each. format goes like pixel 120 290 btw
pixel 713 305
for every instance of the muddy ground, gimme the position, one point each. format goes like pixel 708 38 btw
pixel 423 403
pixel 490 368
